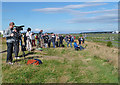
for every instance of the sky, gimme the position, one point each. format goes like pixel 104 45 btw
pixel 61 17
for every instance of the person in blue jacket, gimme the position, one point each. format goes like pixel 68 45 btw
pixel 77 47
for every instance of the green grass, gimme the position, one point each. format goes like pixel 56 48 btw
pixel 67 66
pixel 76 71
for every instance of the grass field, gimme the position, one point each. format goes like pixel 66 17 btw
pixel 102 38
pixel 96 64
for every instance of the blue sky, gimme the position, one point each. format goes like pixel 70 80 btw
pixel 61 17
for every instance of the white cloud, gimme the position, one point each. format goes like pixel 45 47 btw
pixel 49 9
pixel 98 19
pixel 84 5
pixel 113 11
pixel 37 29
pixel 68 8
pixel 105 15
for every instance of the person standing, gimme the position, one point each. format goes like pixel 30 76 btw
pixel 41 38
pixel 53 40
pixel 38 41
pixel 33 39
pixel 56 40
pixel 25 39
pixel 66 38
pixel 49 40
pixel 28 35
pixel 80 40
pixel 69 41
pixel 61 40
pixel 46 40
pixel 17 38
pixel 9 39
pixel 83 39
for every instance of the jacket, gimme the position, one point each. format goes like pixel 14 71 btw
pixel 75 45
pixel 7 33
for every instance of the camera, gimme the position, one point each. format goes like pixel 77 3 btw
pixel 19 28
pixel 17 35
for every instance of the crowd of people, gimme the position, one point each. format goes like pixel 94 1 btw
pixel 39 40
pixel 44 40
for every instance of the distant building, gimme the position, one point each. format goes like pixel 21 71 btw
pixel 1 32
pixel 116 31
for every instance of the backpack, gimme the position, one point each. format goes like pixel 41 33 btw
pixel 36 37
pixel 34 62
pixel 40 62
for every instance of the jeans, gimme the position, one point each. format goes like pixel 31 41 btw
pixel 77 48
pixel 66 40
pixel 9 52
pixel 25 43
pixel 49 43
pixel 53 44
pixel 70 44
pixel 60 43
pixel 81 47
pixel 29 45
pixel 56 43
pixel 16 48
pixel 33 43
pixel 41 43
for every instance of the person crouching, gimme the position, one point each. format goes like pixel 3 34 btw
pixel 77 47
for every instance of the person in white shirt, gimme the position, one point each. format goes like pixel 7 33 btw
pixel 29 45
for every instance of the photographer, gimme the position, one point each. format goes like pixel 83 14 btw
pixel 17 37
pixel 9 39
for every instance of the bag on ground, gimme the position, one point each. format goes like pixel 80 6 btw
pixel 34 62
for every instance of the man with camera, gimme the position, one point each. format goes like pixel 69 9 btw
pixel 17 38
pixel 9 39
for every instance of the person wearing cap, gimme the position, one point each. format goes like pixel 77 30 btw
pixel 9 39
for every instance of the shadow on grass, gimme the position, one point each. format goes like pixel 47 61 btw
pixel 31 57
pixel 3 51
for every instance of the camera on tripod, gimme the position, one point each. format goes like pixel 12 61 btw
pixel 19 28
pixel 18 36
